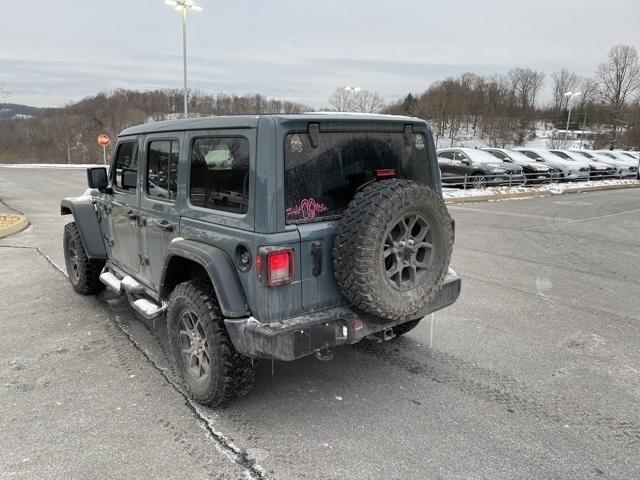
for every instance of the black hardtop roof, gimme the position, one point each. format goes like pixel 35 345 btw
pixel 251 121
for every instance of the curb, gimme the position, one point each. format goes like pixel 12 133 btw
pixel 534 193
pixel 20 224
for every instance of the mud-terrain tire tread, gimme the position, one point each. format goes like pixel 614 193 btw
pixel 357 247
pixel 89 269
pixel 234 374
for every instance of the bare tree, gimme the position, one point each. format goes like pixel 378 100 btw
pixel 342 99
pixel 3 91
pixel 589 88
pixel 525 86
pixel 563 82
pixel 619 77
pixel 368 102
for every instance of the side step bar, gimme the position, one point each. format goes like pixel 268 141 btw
pixel 111 281
pixel 145 307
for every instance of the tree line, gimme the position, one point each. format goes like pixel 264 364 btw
pixel 68 134
pixel 501 109
pixel 504 109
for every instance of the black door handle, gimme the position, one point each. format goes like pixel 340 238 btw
pixel 166 226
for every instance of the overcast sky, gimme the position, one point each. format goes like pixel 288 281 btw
pixel 53 52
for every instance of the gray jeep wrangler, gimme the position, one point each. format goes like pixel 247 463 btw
pixel 273 236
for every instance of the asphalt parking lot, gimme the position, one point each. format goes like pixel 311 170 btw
pixel 533 374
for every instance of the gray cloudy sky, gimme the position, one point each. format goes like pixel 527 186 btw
pixel 53 52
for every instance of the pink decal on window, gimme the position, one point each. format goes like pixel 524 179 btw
pixel 307 209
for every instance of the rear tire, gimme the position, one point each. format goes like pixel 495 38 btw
pixel 84 273
pixel 212 370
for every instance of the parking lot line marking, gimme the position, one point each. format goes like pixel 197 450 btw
pixel 605 216
pixel 507 214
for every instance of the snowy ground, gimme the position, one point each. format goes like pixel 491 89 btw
pixel 552 189
pixel 467 139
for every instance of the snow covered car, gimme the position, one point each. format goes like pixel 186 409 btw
pixel 571 171
pixel 624 168
pixel 535 172
pixel 479 168
pixel 598 169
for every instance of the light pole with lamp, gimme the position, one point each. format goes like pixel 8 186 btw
pixel 182 6
pixel 570 96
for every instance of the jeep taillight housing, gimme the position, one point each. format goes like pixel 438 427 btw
pixel 275 266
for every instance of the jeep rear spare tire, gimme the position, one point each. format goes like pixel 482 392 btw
pixel 392 248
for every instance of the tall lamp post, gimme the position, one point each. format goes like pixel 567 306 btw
pixel 570 96
pixel 182 6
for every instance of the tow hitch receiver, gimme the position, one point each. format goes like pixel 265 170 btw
pixel 382 336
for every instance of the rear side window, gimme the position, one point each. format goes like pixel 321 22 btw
pixel 320 182
pixel 561 155
pixel 126 159
pixel 162 169
pixel 220 174
pixel 499 155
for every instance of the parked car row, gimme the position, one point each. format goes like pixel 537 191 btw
pixel 482 167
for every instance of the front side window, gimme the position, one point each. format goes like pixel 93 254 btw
pixel 562 155
pixel 162 169
pixel 220 174
pixel 320 181
pixel 461 157
pixel 126 161
pixel 447 155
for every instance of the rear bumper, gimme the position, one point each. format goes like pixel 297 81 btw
pixel 301 336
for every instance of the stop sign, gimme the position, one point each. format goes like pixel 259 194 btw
pixel 103 140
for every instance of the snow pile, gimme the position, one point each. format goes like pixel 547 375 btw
pixel 551 188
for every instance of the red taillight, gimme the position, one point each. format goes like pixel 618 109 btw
pixel 386 172
pixel 279 267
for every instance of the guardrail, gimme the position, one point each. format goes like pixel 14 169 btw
pixel 525 179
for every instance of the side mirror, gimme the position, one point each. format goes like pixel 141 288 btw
pixel 97 178
pixel 466 161
pixel 129 178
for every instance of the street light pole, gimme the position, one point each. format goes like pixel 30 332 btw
pixel 184 62
pixel 182 6
pixel 570 95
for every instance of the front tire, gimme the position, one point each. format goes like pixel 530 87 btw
pixel 212 370
pixel 479 181
pixel 84 273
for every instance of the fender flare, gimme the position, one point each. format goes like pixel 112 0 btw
pixel 86 218
pixel 219 268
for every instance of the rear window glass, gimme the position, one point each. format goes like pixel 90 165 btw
pixel 320 182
